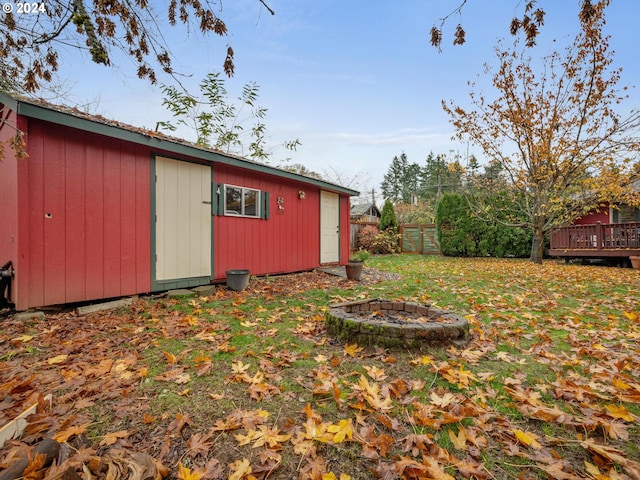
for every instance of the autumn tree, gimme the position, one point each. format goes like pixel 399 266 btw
pixel 30 42
pixel 528 24
pixel 555 130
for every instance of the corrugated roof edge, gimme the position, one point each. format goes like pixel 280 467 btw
pixel 72 117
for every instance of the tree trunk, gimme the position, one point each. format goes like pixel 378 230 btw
pixel 537 245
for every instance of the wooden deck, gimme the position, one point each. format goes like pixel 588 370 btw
pixel 600 240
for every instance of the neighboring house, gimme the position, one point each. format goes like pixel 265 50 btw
pixel 610 214
pixel 361 215
pixel 100 210
pixel 365 212
pixel 606 232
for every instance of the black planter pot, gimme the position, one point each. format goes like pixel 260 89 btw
pixel 237 279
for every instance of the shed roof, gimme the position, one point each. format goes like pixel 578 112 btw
pixel 363 208
pixel 74 118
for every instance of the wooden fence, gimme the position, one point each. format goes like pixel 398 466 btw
pixel 421 239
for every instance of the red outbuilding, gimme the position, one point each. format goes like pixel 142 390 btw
pixel 93 209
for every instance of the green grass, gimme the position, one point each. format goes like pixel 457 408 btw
pixel 561 333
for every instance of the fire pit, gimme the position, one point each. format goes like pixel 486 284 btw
pixel 396 324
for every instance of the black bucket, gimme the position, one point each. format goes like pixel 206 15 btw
pixel 237 279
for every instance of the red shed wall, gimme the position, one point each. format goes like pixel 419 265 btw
pixel 8 198
pixel 85 217
pixel 288 241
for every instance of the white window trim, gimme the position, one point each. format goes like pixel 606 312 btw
pixel 233 213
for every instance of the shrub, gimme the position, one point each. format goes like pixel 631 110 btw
pixel 386 242
pixel 463 234
pixel 388 220
pixel 367 237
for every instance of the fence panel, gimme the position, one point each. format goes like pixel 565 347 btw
pixel 421 239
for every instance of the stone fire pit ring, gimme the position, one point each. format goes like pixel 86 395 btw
pixel 396 324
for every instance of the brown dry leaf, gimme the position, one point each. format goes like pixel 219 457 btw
pixel 64 435
pixel 113 437
pixel 124 465
pixel 58 359
pixel 609 453
pixel 199 444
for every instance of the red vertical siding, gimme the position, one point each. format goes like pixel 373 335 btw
pixel 74 229
pixel 94 220
pixel 598 215
pixel 9 200
pixel 286 242
pixel 88 217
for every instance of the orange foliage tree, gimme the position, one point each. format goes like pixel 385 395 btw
pixel 555 130
pixel 31 35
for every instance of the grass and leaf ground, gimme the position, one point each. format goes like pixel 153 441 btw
pixel 247 385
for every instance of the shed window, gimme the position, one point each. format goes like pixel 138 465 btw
pixel 241 201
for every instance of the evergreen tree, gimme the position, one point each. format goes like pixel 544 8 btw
pixel 388 219
pixel 401 180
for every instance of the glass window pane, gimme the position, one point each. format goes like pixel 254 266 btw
pixel 251 203
pixel 233 201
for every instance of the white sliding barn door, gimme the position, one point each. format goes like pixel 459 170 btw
pixel 183 220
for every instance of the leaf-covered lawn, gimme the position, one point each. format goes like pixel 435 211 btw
pixel 247 385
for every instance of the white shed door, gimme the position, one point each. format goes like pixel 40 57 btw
pixel 183 219
pixel 329 227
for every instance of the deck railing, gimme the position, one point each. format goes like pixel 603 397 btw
pixel 597 236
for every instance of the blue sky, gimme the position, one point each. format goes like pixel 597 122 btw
pixel 356 81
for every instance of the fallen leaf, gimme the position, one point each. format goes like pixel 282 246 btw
pixel 528 439
pixel 113 437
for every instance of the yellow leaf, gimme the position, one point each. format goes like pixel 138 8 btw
pixel 591 469
pixel 424 360
pixel 185 473
pixel 23 338
pixel 528 439
pixel 239 469
pixel 633 316
pixel 171 358
pixel 344 429
pixel 248 438
pixel 460 440
pixel 57 359
pixel 620 412
pixel 620 384
pixel 352 349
